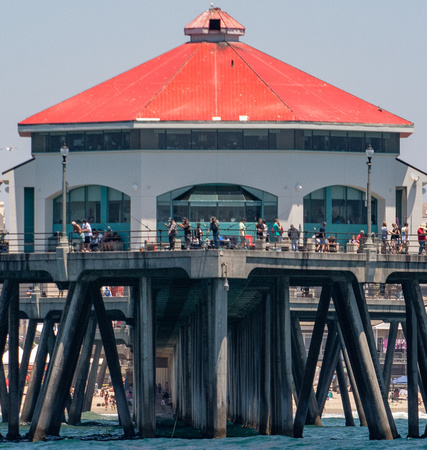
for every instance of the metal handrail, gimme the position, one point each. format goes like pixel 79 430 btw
pixel 136 240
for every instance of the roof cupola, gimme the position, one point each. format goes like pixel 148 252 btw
pixel 214 25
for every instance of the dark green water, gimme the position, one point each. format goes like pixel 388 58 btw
pixel 103 432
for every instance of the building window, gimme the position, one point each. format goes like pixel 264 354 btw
pixel 96 204
pixel 221 139
pixel 118 207
pixel 315 207
pixel 229 203
pixel 339 205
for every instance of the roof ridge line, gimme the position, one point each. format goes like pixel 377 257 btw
pixel 259 77
pixel 173 76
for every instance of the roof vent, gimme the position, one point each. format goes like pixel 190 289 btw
pixel 214 25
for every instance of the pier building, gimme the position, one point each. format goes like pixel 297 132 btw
pixel 215 127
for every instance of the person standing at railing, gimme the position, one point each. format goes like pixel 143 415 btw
pixel 78 230
pixel 260 229
pixel 421 238
pixel 185 225
pixel 384 236
pixel 404 232
pixel 277 231
pixel 242 234
pixel 293 235
pixel 87 230
pixel 214 227
pixel 198 234
pixel 172 231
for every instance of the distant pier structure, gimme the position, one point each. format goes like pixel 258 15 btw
pixel 225 322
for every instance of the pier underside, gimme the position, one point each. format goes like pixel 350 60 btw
pixel 232 338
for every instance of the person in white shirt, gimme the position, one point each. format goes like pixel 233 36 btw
pixel 242 232
pixel 87 230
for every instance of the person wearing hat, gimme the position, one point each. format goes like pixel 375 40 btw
pixel 361 238
pixel 172 231
pixel 421 238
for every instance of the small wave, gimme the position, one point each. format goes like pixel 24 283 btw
pixel 404 415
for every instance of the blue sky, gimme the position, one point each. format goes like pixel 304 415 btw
pixel 53 49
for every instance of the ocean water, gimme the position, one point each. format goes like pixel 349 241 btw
pixel 99 431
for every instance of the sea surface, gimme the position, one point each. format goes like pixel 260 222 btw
pixel 102 431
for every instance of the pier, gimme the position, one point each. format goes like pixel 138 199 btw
pixel 226 324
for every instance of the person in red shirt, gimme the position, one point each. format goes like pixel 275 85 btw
pixel 421 238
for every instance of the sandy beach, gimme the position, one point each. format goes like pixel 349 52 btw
pixel 332 406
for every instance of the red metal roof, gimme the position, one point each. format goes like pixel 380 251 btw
pixel 226 80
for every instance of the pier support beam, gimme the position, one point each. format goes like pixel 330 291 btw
pixel 313 355
pixel 75 413
pixel 5 299
pixel 145 357
pixel 389 356
pixel 412 367
pixel 52 402
pixel 367 326
pixel 361 361
pixel 37 373
pixel 349 421
pixel 299 362
pixel 353 384
pixel 215 346
pixel 329 364
pixel 14 400
pixel 90 388
pixel 109 342
pixel 28 346
pixel 282 418
pixel 265 368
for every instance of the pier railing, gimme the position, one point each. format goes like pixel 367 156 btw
pixel 157 240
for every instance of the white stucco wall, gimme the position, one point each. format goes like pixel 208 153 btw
pixel 157 172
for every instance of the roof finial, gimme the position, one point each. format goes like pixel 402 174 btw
pixel 212 5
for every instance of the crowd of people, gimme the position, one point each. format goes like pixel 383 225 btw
pixel 195 238
pixel 108 398
pixel 92 240
pixel 394 240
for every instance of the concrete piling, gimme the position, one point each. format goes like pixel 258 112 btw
pixel 312 358
pixel 14 400
pixel 110 348
pixel 353 384
pixel 82 370
pixel 361 360
pixel 90 388
pixel 388 362
pixel 37 373
pixel 342 382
